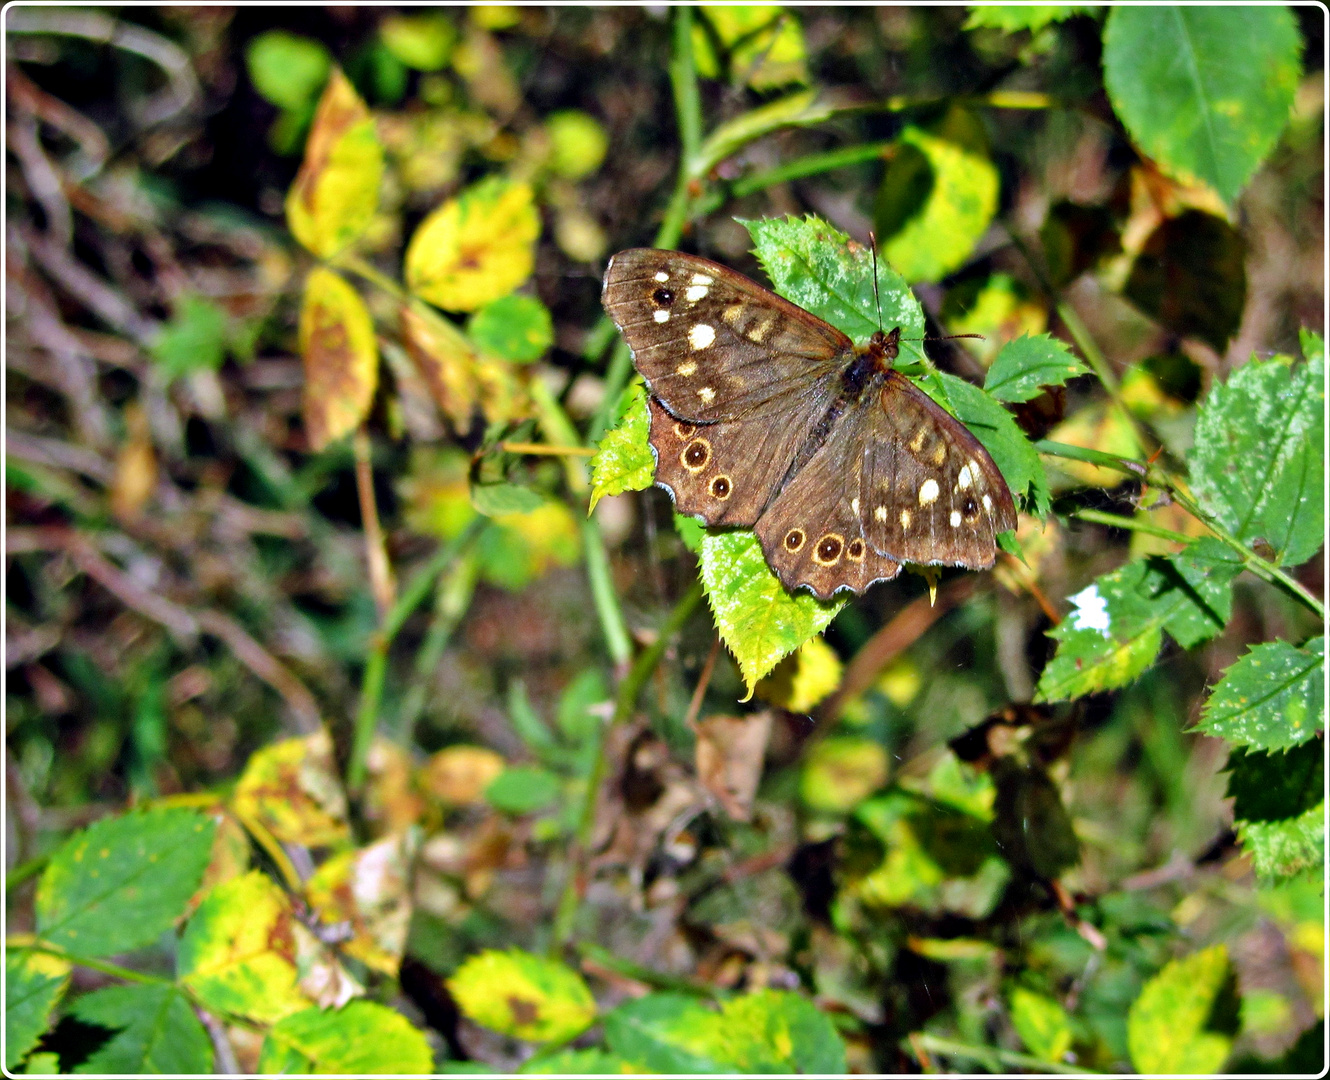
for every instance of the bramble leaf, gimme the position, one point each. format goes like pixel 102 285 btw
pixel 1271 698
pixel 1028 364
pixel 341 357
pixel 758 619
pixel 624 461
pixel 361 1037
pixel 1257 463
pixel 34 982
pixel 155 1028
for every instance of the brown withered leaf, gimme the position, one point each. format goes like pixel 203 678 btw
pixel 341 357
pixel 729 757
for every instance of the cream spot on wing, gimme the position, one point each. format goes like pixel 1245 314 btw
pixel 928 492
pixel 940 454
pixel 965 479
pixel 854 505
pixel 988 505
pixel 917 443
pixel 955 519
pixel 662 277
pixel 880 513
pixel 905 519
pixel 759 332
pixel 694 293
pixel 688 367
pixel 701 335
pixel 707 395
pixel 661 315
pixel 703 279
pixel 732 313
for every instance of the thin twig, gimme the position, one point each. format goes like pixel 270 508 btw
pixel 381 584
pixel 695 705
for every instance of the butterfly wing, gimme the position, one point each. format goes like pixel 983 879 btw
pixel 814 532
pixel 931 493
pixel 714 345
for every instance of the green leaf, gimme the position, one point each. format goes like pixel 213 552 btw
pixel 1271 698
pixel 765 45
pixel 525 996
pixel 1014 454
pixel 1041 1023
pixel 840 771
pixel 1205 91
pixel 1028 364
pixel 362 1037
pixel 1117 626
pixel 122 882
pixel 423 42
pixel 1280 849
pixel 523 789
pixel 34 982
pixel 1272 787
pixel 493 500
pixel 1257 462
pixel 663 1033
pixel 287 69
pixel 578 143
pixel 822 270
pixel 577 718
pixel 1167 1025
pixel 767 1032
pixel 156 1031
pixel 515 327
pixel 194 340
pixel 1032 17
pixel 624 461
pixel 575 1063
pixel 757 618
pixel 961 201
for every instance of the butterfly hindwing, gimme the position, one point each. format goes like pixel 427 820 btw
pixel 932 492
pixel 714 345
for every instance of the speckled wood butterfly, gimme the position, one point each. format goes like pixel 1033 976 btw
pixel 763 415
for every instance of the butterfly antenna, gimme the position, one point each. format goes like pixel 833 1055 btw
pixel 877 298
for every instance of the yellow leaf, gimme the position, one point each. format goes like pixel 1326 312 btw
pixel 460 774
pixel 341 357
pixel 336 191
pixel 803 679
pixel 292 789
pixel 1167 1028
pixel 475 248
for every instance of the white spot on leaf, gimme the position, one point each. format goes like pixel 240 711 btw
pixel 1091 611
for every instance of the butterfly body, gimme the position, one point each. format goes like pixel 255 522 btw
pixel 763 415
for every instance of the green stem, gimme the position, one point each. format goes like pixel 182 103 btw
pixel 1103 370
pixel 128 974
pixel 658 980
pixel 16 877
pixel 1259 566
pixel 629 689
pixel 1129 466
pixel 987 1055
pixel 603 593
pixel 356 265
pixel 376 664
pixel 452 598
pixel 1117 521
pixel 811 165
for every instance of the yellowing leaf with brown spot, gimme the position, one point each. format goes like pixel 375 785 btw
pixel 336 191
pixel 341 358
pixel 526 996
pixel 460 774
pixel 475 248
pixel 292 789
pixel 244 954
pixel 445 358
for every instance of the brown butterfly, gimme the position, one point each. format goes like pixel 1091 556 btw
pixel 763 415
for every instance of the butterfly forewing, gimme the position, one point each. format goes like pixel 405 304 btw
pixel 932 493
pixel 714 345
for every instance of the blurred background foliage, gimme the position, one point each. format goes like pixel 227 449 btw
pixel 201 563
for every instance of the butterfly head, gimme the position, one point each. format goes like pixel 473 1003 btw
pixel 883 348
